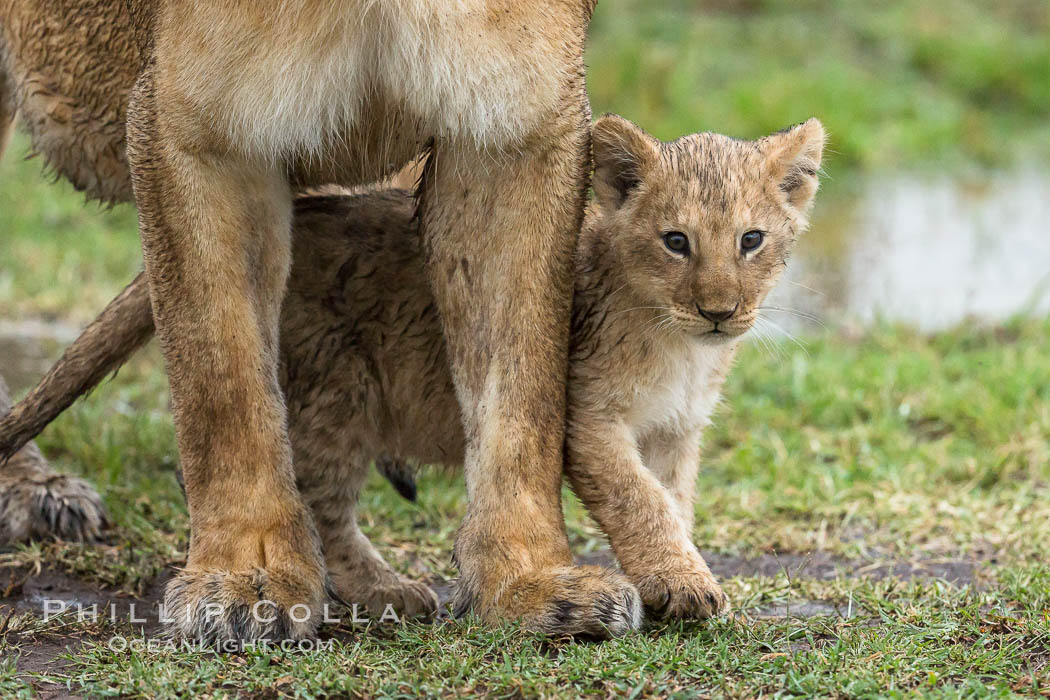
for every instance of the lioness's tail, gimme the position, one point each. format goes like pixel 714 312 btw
pixel 121 329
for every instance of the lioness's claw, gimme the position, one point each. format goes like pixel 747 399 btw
pixel 576 601
pixel 219 607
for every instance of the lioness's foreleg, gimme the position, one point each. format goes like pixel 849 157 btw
pixel 215 228
pixel 37 502
pixel 499 234
pixel 642 518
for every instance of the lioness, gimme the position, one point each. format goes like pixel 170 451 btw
pixel 683 242
pixel 209 114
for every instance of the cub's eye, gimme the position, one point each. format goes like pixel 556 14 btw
pixel 676 242
pixel 751 240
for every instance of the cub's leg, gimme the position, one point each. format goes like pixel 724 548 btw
pixel 36 502
pixel 675 460
pixel 499 234
pixel 641 517
pixel 331 481
pixel 215 232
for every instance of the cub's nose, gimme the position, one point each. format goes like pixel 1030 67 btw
pixel 718 316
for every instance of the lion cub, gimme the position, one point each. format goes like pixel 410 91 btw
pixel 678 249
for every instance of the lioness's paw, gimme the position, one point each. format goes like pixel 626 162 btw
pixel 220 607
pixel 52 506
pixel 682 596
pixel 578 601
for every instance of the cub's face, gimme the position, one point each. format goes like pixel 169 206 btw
pixel 703 226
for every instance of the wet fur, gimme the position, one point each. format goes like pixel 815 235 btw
pixel 248 101
pixel 365 371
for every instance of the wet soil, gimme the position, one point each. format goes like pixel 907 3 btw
pixel 44 591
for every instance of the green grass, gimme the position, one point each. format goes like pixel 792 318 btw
pixel 892 447
pixel 887 446
pixel 923 637
pixel 898 84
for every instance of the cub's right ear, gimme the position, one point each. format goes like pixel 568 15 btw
pixel 793 160
pixel 622 155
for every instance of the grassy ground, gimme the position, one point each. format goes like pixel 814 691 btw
pixel 877 504
pixel 913 469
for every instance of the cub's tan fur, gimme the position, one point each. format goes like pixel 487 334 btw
pixel 219 109
pixel 364 366
pixel 642 388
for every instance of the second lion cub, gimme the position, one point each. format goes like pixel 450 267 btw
pixel 678 250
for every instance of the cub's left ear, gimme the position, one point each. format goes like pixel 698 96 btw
pixel 792 160
pixel 623 155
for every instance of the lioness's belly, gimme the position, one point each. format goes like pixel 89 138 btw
pixel 315 80
pixel 283 79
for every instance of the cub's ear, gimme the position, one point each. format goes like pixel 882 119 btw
pixel 792 159
pixel 622 155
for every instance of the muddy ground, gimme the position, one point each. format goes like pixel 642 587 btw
pixel 24 591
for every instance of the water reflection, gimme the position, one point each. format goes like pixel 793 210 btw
pixel 928 252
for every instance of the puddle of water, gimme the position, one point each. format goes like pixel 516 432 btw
pixel 927 252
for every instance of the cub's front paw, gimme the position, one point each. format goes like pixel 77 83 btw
pixel 578 601
pixel 222 607
pixel 50 506
pixel 692 595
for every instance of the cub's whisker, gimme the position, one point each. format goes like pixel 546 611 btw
pixel 795 312
pixel 657 324
pixel 771 347
pixel 638 308
pixel 808 289
pixel 786 333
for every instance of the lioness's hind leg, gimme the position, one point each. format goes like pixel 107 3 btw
pixel 37 502
pixel 330 484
